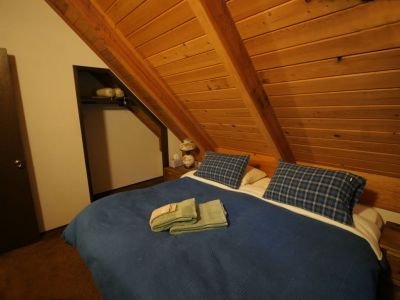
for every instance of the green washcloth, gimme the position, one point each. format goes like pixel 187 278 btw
pixel 174 213
pixel 211 215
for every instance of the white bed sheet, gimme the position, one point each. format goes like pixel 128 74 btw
pixel 367 221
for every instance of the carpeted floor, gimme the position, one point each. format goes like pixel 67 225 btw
pixel 46 270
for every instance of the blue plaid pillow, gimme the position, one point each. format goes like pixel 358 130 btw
pixel 223 168
pixel 332 194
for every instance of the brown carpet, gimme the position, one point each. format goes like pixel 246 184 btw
pixel 47 270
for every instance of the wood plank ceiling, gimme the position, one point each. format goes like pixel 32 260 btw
pixel 330 68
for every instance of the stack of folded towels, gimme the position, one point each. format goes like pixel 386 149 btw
pixel 186 216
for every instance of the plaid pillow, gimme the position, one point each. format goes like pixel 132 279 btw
pixel 223 168
pixel 332 194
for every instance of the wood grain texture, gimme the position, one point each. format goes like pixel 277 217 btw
pixel 231 93
pixel 391 126
pixel 291 12
pixel 264 162
pixel 241 9
pixel 208 118
pixel 214 71
pixel 223 113
pixel 204 85
pixel 198 61
pixel 215 18
pixel 344 112
pixel 392 161
pixel 104 4
pixel 330 70
pixel 121 8
pixel 144 14
pixel 389 137
pixel 380 191
pixel 371 39
pixel 242 145
pixel 232 128
pixel 211 104
pixel 372 167
pixel 244 136
pixel 341 65
pixel 146 83
pixel 184 50
pixel 168 20
pixel 351 98
pixel 346 144
pixel 362 81
pixel 178 35
pixel 347 21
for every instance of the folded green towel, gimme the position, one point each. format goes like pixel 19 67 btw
pixel 211 215
pixel 164 217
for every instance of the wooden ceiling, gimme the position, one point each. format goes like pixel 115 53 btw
pixel 306 80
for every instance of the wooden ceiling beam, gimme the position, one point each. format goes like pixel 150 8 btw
pixel 216 20
pixel 94 27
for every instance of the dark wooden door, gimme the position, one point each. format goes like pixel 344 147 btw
pixel 18 224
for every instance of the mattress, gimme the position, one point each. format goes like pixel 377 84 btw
pixel 267 252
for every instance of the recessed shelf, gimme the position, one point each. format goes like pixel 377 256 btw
pixel 88 81
pixel 105 100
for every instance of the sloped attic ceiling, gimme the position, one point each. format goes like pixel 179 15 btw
pixel 307 80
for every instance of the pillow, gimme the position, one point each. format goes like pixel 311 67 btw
pixel 262 183
pixel 332 194
pixel 227 169
pixel 252 175
pixel 257 188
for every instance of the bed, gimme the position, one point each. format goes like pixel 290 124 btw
pixel 269 251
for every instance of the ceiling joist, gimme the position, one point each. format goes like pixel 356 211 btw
pixel 90 23
pixel 216 20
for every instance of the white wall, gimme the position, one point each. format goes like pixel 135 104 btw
pixel 121 148
pixel 173 145
pixel 45 49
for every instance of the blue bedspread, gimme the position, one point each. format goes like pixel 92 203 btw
pixel 267 252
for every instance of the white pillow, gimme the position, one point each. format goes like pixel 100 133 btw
pixel 257 188
pixel 252 175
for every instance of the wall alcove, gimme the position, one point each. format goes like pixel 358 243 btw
pixel 125 145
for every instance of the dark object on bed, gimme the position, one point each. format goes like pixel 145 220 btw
pixel 332 194
pixel 227 169
pixel 266 253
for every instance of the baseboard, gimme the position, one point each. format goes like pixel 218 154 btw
pixel 138 185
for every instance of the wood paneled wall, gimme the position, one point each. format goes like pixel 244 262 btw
pixel 330 69
pixel 96 29
pixel 332 73
pixel 169 36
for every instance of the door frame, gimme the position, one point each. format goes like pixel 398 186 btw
pixel 163 139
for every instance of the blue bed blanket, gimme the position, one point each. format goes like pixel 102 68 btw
pixel 267 252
